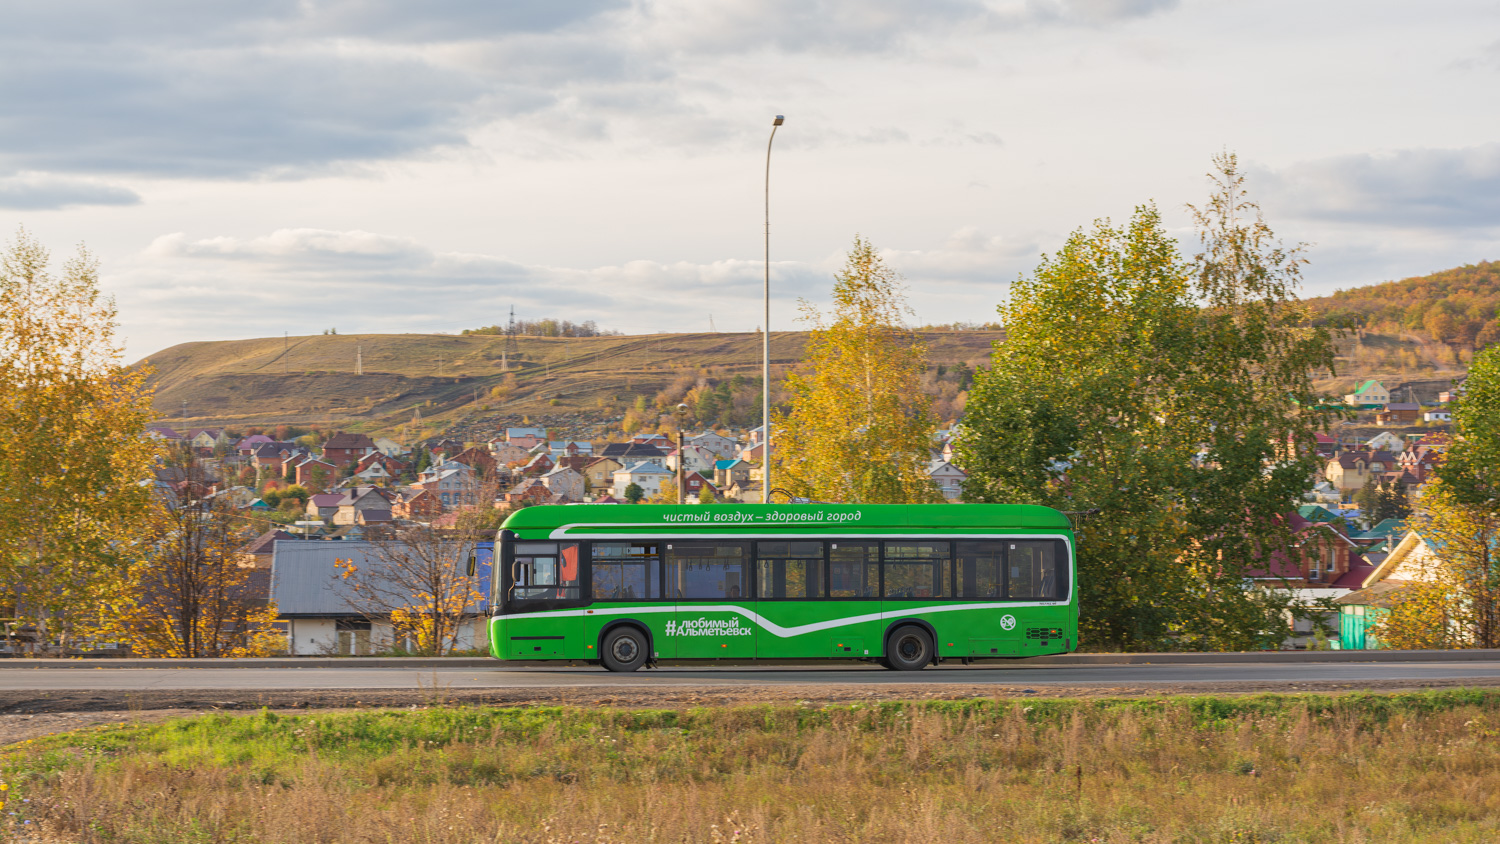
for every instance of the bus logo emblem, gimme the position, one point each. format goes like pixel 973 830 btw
pixel 1008 622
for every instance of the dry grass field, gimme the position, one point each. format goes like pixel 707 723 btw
pixel 1359 768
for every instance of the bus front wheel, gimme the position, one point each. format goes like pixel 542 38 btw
pixel 908 649
pixel 624 649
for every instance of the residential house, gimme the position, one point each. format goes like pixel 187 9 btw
pixel 693 458
pixel 695 483
pixel 1360 610
pixel 747 491
pixel 1437 416
pixel 238 497
pixel 525 437
pixel 755 435
pixel 360 499
pixel 564 482
pixel 569 448
pixel 323 505
pixel 316 474
pixel 1385 441
pixel 379 467
pixel 661 441
pixel 648 476
pixel 207 438
pixel 1399 413
pixel 1322 562
pixel 1370 393
pixel 162 432
pixel 529 492
pixel 323 615
pixel 478 459
pixel 753 453
pixel 601 472
pixel 454 484
pixel 257 553
pixel 538 465
pixel 729 472
pixel 631 453
pixel 948 478
pixel 1349 470
pixel 507 453
pixel 1419 461
pixel 417 505
pixel 445 446
pixel 389 447
pixel 720 446
pixel 344 448
pixel 248 445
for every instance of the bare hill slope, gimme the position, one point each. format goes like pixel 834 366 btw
pixel 449 379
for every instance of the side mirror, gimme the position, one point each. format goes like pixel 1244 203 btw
pixel 473 563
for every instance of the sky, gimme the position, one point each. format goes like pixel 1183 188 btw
pixel 249 169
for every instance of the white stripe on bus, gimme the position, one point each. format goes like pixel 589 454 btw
pixel 770 626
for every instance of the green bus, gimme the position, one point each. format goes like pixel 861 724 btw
pixel 902 585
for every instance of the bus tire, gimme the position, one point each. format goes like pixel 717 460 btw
pixel 624 649
pixel 908 649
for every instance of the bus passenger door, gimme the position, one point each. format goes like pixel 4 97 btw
pixel 710 581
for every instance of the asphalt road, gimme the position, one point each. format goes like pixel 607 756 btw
pixel 322 678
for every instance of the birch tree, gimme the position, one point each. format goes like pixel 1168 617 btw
pixel 74 466
pixel 860 426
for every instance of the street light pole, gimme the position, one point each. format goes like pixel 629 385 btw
pixel 765 365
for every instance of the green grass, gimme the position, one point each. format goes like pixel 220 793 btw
pixel 1362 767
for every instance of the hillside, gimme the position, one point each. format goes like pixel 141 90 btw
pixel 1456 306
pixel 458 382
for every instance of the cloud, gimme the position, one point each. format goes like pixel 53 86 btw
pixel 283 89
pixel 304 280
pixel 1413 188
pixel 47 192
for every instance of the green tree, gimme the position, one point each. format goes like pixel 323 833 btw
pixel 634 493
pixel 1391 502
pixel 860 425
pixel 1174 397
pixel 73 458
pixel 1368 500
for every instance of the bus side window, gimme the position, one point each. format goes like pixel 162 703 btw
pixel 979 570
pixel 853 569
pixel 625 571
pixel 1033 569
pixel 706 570
pixel 915 569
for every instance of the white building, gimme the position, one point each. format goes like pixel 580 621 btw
pixel 949 478
pixel 648 476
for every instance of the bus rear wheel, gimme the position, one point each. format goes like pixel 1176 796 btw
pixel 908 649
pixel 624 649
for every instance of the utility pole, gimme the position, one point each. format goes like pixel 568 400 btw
pixel 359 359
pixel 711 324
pixel 510 333
pixel 681 478
pixel 286 348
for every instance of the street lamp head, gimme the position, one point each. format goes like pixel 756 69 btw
pixel 777 121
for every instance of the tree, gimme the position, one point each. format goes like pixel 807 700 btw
pixel 1174 397
pixel 706 495
pixel 1391 502
pixel 1454 599
pixel 1368 500
pixel 416 575
pixel 73 458
pixel 189 595
pixel 860 426
pixel 634 493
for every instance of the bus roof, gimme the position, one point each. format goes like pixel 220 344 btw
pixel 583 520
